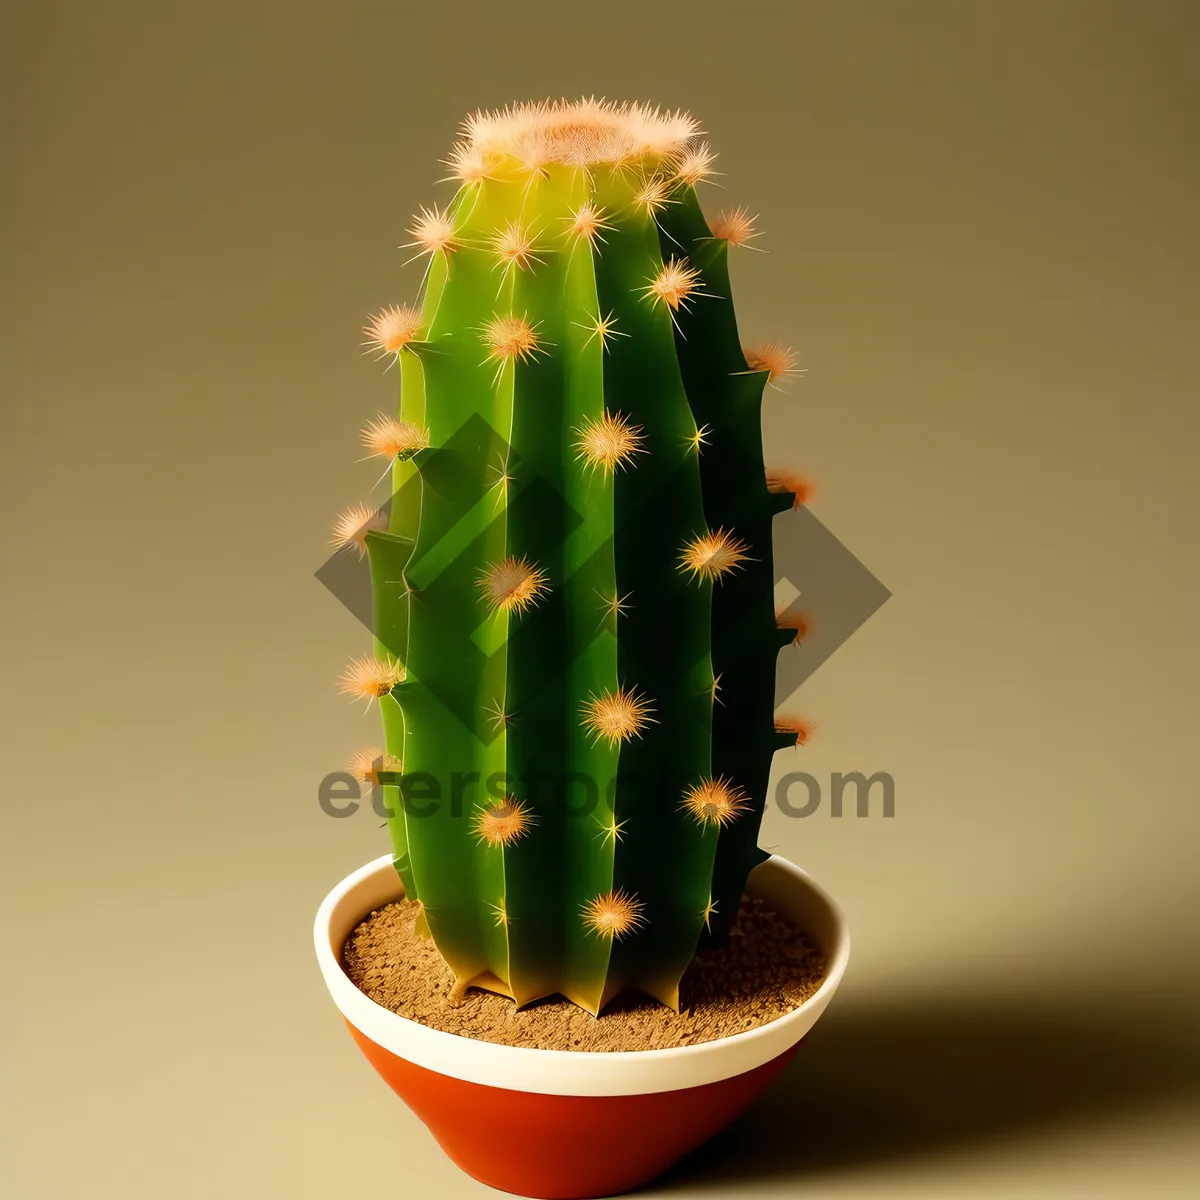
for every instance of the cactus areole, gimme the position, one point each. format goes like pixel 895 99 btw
pixel 574 622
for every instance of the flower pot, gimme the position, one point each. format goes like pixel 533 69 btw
pixel 557 1123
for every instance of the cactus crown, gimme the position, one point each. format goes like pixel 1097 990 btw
pixel 575 634
pixel 584 133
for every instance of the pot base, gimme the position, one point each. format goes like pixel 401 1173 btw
pixel 566 1124
pixel 566 1147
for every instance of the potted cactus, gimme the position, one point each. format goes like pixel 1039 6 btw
pixel 575 642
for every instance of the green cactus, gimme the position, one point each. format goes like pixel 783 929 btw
pixel 575 634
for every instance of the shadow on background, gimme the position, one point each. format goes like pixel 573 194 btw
pixel 880 1081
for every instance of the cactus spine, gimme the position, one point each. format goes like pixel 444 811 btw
pixel 575 634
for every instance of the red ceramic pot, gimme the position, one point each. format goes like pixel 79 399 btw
pixel 562 1124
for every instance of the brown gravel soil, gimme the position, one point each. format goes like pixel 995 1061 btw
pixel 768 968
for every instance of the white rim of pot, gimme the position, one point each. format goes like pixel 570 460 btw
pixel 579 1072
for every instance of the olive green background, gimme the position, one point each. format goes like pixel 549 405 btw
pixel 982 230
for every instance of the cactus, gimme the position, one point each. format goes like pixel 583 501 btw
pixel 575 634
